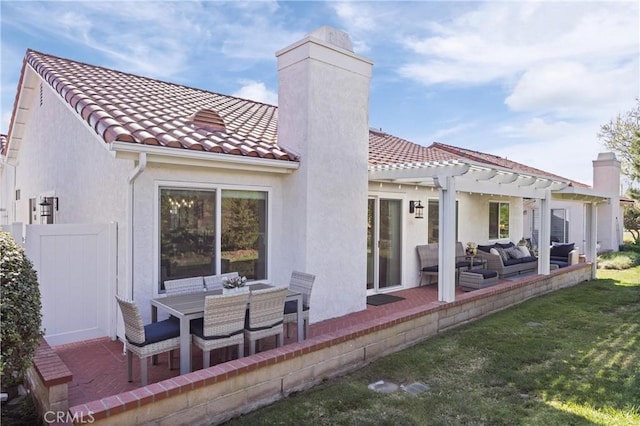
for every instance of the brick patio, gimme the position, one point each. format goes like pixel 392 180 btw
pixel 99 366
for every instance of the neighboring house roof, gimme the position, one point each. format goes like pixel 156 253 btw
pixel 129 108
pixel 388 149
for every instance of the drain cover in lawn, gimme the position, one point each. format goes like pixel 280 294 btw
pixel 416 388
pixel 383 387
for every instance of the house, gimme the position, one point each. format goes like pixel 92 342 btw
pixel 190 182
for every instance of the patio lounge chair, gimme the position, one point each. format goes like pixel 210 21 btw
pixel 428 255
pixel 303 283
pixel 266 316
pixel 214 282
pixel 146 340
pixel 222 325
pixel 183 286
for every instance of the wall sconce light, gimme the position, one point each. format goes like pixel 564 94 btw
pixel 417 208
pixel 48 205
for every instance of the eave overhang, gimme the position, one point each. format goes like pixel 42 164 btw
pixel 586 195
pixel 185 157
pixel 27 88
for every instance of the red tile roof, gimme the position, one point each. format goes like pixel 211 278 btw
pixel 129 108
pixel 388 149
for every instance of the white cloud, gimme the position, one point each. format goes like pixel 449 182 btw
pixel 458 129
pixel 564 148
pixel 498 40
pixel 571 89
pixel 564 58
pixel 256 91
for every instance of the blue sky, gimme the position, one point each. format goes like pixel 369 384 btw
pixel 530 81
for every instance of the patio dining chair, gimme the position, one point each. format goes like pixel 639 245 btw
pixel 428 255
pixel 183 286
pixel 146 340
pixel 265 317
pixel 214 282
pixel 302 283
pixel 222 325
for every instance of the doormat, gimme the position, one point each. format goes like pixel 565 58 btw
pixel 382 299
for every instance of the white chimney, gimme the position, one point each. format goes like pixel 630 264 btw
pixel 323 117
pixel 606 179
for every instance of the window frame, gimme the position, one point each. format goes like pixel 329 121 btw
pixel 218 188
pixel 499 236
pixel 437 201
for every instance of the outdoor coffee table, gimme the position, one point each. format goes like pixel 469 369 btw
pixel 190 306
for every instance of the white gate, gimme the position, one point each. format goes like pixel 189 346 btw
pixel 76 267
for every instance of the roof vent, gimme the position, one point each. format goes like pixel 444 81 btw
pixel 209 120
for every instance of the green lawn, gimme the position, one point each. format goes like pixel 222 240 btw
pixel 568 358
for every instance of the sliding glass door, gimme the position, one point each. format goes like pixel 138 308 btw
pixel 384 243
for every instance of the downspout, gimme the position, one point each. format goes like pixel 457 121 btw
pixel 142 165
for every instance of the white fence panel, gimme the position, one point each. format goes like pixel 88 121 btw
pixel 76 267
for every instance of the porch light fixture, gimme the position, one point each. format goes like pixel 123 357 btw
pixel 417 208
pixel 47 206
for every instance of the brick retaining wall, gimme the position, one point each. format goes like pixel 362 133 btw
pixel 226 390
pixel 48 380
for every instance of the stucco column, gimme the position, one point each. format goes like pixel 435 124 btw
pixel 447 240
pixel 323 112
pixel 545 234
pixel 591 221
pixel 606 179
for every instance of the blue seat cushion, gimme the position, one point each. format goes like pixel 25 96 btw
pixel 486 248
pixel 463 264
pixel 159 331
pixel 560 263
pixel 512 261
pixel 561 250
pixel 528 259
pixel 197 328
pixel 430 268
pixel 486 273
pixel 291 307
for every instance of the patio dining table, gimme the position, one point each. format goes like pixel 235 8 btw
pixel 190 306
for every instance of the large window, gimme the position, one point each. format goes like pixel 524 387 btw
pixel 188 241
pixel 433 221
pixel 244 233
pixel 559 226
pixel 498 220
pixel 187 233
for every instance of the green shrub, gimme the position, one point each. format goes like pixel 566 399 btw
pixel 20 305
pixel 630 247
pixel 618 260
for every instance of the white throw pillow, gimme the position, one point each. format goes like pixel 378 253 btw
pixel 494 251
pixel 524 250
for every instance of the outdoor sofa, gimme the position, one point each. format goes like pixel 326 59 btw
pixel 503 259
pixel 563 254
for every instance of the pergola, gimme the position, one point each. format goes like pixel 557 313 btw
pixel 469 176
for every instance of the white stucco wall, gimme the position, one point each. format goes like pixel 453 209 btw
pixel 606 179
pixel 146 259
pixel 7 194
pixel 323 99
pixel 575 214
pixel 60 156
pixel 473 221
